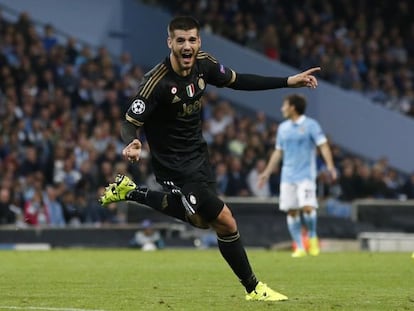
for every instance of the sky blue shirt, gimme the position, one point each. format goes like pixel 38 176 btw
pixel 298 141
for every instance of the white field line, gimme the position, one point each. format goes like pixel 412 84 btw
pixel 44 308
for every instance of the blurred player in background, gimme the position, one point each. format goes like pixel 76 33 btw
pixel 168 108
pixel 296 142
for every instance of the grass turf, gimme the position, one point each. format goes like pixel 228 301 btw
pixel 117 280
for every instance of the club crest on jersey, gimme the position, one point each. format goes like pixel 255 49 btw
pixel 201 84
pixel 138 106
pixel 190 90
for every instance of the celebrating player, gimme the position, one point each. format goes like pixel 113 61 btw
pixel 168 108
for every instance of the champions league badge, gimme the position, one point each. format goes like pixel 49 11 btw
pixel 138 106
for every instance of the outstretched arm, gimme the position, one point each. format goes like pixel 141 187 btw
pixel 251 82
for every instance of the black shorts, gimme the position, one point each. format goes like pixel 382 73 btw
pixel 203 198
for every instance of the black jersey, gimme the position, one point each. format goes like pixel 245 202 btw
pixel 168 107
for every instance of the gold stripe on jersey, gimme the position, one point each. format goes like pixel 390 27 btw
pixel 133 121
pixel 204 55
pixel 233 77
pixel 149 86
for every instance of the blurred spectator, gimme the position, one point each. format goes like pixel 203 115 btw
pixel 147 239
pixel 54 207
pixel 49 39
pixel 408 187
pixel 222 178
pixel 71 211
pixel 35 210
pixel 6 214
pixel 348 183
pixel 253 180
pixel 236 185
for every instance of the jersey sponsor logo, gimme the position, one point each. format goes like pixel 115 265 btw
pixel 190 90
pixel 189 109
pixel 138 106
pixel 201 84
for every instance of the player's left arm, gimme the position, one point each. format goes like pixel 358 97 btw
pixel 327 157
pixel 321 141
pixel 252 82
pixel 222 76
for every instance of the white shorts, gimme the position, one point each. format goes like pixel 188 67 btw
pixel 297 195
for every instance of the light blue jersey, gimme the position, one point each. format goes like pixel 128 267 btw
pixel 298 141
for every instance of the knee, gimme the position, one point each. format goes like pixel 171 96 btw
pixel 308 209
pixel 225 223
pixel 293 212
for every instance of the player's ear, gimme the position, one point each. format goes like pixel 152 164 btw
pixel 169 42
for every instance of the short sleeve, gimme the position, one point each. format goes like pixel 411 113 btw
pixel 139 110
pixel 279 140
pixel 317 134
pixel 215 73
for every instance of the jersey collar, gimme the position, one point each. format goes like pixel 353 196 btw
pixel 300 120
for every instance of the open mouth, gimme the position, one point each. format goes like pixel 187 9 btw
pixel 187 57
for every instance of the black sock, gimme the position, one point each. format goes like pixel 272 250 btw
pixel 232 250
pixel 161 201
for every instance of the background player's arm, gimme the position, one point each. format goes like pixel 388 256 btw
pixel 271 165
pixel 327 156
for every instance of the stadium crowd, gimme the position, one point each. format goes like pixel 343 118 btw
pixel 61 105
pixel 360 46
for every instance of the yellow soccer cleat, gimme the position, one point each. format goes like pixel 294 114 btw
pixel 299 253
pixel 264 293
pixel 314 249
pixel 117 191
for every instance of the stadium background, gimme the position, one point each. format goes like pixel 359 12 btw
pixel 62 100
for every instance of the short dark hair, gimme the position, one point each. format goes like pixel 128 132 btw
pixel 298 101
pixel 183 23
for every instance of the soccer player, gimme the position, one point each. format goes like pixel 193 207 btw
pixel 168 108
pixel 296 142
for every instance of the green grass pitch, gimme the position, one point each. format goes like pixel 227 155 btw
pixel 116 280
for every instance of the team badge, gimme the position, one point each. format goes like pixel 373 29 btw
pixel 201 84
pixel 138 106
pixel 173 90
pixel 190 90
